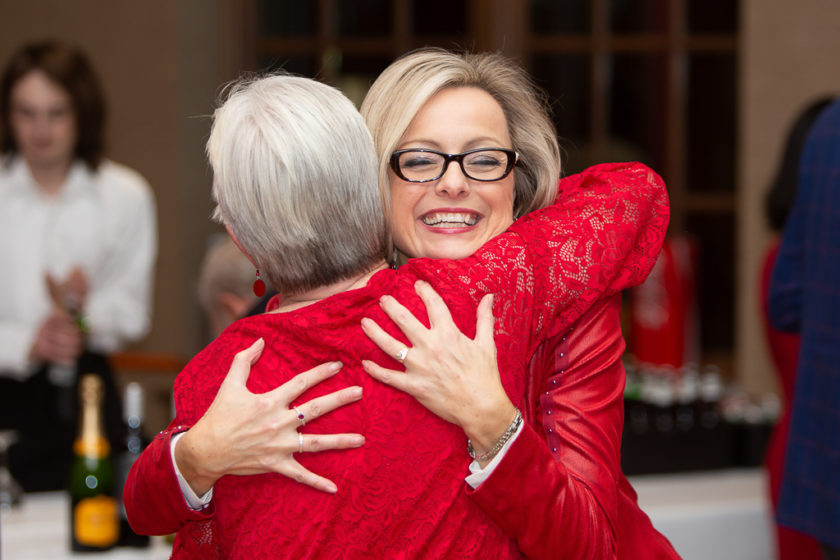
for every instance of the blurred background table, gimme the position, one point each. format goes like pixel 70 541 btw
pixel 40 529
pixel 724 514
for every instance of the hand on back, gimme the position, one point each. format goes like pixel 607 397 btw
pixel 243 433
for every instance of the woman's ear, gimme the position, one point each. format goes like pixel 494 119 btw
pixel 239 245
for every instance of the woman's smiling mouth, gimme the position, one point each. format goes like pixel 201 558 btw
pixel 450 219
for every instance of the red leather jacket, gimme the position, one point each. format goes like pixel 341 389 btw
pixel 559 490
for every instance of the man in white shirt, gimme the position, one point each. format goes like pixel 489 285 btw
pixel 78 245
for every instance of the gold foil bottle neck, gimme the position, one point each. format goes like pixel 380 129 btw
pixel 91 441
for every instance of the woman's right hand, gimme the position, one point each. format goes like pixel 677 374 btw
pixel 243 433
pixel 454 376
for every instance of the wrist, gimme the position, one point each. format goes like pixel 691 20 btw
pixel 485 453
pixel 188 462
pixel 486 425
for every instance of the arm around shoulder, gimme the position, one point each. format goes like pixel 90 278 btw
pixel 153 499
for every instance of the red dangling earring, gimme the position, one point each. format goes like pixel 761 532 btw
pixel 259 285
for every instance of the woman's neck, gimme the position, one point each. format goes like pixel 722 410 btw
pixel 50 177
pixel 290 303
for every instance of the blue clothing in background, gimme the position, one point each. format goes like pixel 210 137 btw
pixel 805 297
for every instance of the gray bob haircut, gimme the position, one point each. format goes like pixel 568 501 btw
pixel 408 83
pixel 295 179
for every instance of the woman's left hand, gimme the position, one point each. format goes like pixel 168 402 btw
pixel 455 377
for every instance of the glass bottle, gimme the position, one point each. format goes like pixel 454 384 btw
pixel 688 393
pixel 711 391
pixel 663 399
pixel 11 492
pixel 93 519
pixel 133 416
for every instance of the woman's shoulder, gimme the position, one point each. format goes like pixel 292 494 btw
pixel 239 335
pixel 205 371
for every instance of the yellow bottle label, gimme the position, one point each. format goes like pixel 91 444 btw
pixel 96 446
pixel 96 521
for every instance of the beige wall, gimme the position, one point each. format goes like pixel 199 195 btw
pixel 158 61
pixel 789 56
pixel 160 65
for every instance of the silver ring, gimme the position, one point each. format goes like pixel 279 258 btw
pixel 301 418
pixel 400 356
pixel 300 442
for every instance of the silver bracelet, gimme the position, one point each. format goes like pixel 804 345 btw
pixel 511 429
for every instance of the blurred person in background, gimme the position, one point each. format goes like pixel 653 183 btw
pixel 225 284
pixel 784 346
pixel 804 297
pixel 79 242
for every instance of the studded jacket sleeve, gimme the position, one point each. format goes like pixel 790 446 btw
pixel 559 490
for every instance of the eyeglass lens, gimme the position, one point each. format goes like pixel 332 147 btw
pixel 482 165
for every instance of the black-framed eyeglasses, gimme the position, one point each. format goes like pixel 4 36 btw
pixel 421 165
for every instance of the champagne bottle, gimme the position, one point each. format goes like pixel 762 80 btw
pixel 93 519
pixel 133 416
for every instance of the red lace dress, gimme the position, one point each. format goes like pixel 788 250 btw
pixel 402 495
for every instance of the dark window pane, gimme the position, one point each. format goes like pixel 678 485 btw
pixel 365 65
pixel 564 16
pixel 712 16
pixel 295 64
pixel 710 146
pixel 715 278
pixel 358 73
pixel 370 18
pixel 638 16
pixel 566 80
pixel 287 19
pixel 440 17
pixel 637 107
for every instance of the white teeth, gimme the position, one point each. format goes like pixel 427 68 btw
pixel 450 219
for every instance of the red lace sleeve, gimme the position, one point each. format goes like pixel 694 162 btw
pixel 153 499
pixel 602 235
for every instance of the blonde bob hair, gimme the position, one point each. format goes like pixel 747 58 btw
pixel 294 179
pixel 408 83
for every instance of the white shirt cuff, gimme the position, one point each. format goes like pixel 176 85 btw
pixel 479 475
pixel 196 502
